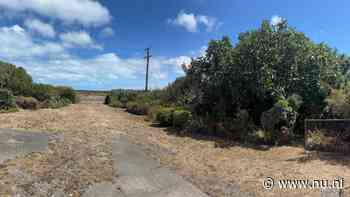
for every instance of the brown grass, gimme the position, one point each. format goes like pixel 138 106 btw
pixel 199 159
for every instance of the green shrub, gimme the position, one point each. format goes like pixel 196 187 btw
pixel 165 116
pixel 15 79
pixel 181 118
pixel 27 103
pixel 120 98
pixel 177 92
pixel 107 100
pixel 338 104
pixel 116 103
pixel 55 102
pixel 137 108
pixel 152 112
pixel 7 100
pixel 113 101
pixel 197 125
pixel 67 93
pixel 44 92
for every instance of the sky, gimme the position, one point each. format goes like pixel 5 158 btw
pixel 99 45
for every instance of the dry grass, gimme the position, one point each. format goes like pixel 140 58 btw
pixel 198 159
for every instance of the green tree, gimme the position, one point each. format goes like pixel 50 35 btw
pixel 267 65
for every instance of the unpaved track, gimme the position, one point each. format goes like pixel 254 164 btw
pixel 217 171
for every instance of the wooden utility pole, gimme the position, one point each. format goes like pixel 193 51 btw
pixel 148 56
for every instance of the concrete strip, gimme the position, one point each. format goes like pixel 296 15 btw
pixel 101 189
pixel 141 176
pixel 15 143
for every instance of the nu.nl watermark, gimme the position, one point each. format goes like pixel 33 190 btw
pixel 293 184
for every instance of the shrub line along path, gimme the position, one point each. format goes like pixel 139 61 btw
pixel 88 130
pixel 133 172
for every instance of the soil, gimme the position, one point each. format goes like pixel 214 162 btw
pixel 80 155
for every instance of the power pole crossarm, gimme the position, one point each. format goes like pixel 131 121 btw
pixel 148 56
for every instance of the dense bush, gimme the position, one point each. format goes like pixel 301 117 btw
pixel 260 89
pixel 275 73
pixel 120 98
pixel 117 104
pixel 27 103
pixel 152 112
pixel 181 118
pixel 338 104
pixel 178 92
pixel 55 102
pixel 7 100
pixel 15 79
pixel 108 100
pixel 138 108
pixel 44 92
pixel 67 93
pixel 18 81
pixel 165 116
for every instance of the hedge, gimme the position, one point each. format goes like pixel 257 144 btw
pixel 181 118
pixel 137 108
pixel 165 116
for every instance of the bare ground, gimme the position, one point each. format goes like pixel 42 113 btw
pixel 87 130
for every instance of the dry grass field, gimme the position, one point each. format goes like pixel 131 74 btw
pixel 213 165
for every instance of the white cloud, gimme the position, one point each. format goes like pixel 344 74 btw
pixel 178 62
pixel 191 21
pixel 17 43
pixel 107 32
pixel 209 22
pixel 103 69
pixel 188 21
pixel 78 39
pixel 40 27
pixel 275 20
pixel 51 62
pixel 85 12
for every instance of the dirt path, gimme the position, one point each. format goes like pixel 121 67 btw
pixel 216 171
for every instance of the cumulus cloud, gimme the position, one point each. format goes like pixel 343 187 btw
pixel 103 69
pixel 191 22
pixel 185 20
pixel 107 32
pixel 209 22
pixel 85 12
pixel 178 62
pixel 51 62
pixel 40 27
pixel 78 39
pixel 17 43
pixel 275 20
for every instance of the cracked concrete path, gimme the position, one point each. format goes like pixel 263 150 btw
pixel 138 174
pixel 141 176
pixel 16 143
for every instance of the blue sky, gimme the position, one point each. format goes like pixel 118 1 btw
pixel 100 44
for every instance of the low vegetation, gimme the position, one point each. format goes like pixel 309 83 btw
pixel 19 90
pixel 7 100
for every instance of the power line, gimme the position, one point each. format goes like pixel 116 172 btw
pixel 148 56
